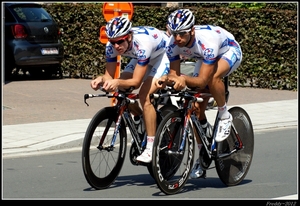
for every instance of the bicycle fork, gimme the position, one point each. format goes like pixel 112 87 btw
pixel 120 110
pixel 115 133
pixel 185 132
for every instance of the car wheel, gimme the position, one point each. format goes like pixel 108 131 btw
pixel 54 70
pixel 8 71
pixel 45 72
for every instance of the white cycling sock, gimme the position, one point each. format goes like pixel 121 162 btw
pixel 223 112
pixel 150 140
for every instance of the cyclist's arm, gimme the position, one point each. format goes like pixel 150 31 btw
pixel 174 75
pixel 209 64
pixel 111 62
pixel 137 78
pixel 110 71
pixel 174 57
pixel 206 73
pixel 175 68
pixel 143 55
pixel 109 74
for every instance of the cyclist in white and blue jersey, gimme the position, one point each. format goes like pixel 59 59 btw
pixel 145 46
pixel 217 55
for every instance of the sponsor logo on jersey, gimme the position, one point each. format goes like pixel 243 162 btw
pixel 208 53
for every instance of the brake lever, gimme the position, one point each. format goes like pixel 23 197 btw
pixel 86 96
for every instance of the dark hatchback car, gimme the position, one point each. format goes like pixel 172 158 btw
pixel 32 40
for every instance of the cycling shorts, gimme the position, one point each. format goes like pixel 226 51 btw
pixel 233 56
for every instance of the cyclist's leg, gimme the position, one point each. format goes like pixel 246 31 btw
pixel 127 74
pixel 216 85
pixel 197 171
pixel 149 115
pixel 202 106
pixel 228 63
pixel 148 87
pixel 160 67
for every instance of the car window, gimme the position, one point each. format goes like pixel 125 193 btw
pixel 8 17
pixel 30 14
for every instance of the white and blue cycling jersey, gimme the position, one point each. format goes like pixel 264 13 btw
pixel 210 44
pixel 147 48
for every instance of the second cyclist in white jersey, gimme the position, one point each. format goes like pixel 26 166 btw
pixel 217 55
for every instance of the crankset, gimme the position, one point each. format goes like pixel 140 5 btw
pixel 133 154
pixel 205 161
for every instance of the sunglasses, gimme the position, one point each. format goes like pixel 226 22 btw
pixel 120 41
pixel 180 33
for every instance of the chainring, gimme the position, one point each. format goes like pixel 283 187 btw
pixel 133 154
pixel 205 161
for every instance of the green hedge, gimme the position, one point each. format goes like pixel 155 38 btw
pixel 268 37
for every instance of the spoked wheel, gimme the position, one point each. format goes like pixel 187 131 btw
pixel 171 166
pixel 102 163
pixel 233 169
pixel 164 111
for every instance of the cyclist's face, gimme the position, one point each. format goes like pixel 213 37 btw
pixel 182 37
pixel 120 43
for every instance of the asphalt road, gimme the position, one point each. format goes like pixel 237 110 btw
pixel 273 173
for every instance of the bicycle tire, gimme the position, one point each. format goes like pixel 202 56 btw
pixel 101 167
pixel 234 168
pixel 165 109
pixel 171 171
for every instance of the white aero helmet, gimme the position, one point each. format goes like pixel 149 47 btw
pixel 181 19
pixel 117 26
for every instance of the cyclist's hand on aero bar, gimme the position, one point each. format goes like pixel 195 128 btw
pixel 96 83
pixel 111 85
pixel 179 82
pixel 161 82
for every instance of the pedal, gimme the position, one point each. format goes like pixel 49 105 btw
pixel 142 163
pixel 133 154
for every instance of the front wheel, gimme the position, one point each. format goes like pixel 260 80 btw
pixel 103 158
pixel 172 158
pixel 233 169
pixel 164 110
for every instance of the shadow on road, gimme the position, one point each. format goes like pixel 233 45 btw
pixel 147 180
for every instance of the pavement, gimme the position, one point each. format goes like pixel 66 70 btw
pixel 50 115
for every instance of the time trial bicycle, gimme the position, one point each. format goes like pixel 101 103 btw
pixel 105 141
pixel 173 147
